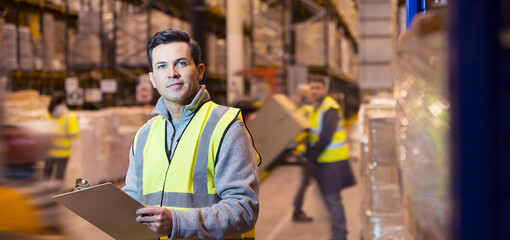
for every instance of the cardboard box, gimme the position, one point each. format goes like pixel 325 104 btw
pixel 274 126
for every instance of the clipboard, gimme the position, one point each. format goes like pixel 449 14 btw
pixel 108 208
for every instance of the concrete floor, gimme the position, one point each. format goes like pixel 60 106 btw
pixel 276 197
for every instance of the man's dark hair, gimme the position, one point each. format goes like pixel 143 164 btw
pixel 56 99
pixel 318 79
pixel 171 36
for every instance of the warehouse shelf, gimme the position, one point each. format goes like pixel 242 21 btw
pixel 315 34
pixel 33 5
pixel 91 69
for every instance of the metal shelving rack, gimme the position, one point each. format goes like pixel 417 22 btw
pixel 44 81
pixel 480 90
pixel 285 17
pixel 90 74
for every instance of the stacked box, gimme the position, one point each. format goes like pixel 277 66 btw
pixel 310 44
pixel 9 54
pixel 333 47
pixel 26 53
pixel 102 152
pixel 24 106
pixel 89 22
pixel 216 55
pixel 211 55
pixel 85 46
pixel 132 33
pixel 159 21
pixel 49 42
pixel 58 60
pixel 267 40
pixel 131 40
pixel 85 50
pixel 274 127
pixel 221 57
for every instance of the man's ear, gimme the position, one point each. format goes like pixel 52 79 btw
pixel 151 78
pixel 201 71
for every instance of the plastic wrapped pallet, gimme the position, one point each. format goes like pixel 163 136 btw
pixel 383 200
pixel 365 111
pixel 384 228
pixel 423 130
pixel 24 105
pixel 381 138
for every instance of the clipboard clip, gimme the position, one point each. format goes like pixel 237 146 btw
pixel 81 184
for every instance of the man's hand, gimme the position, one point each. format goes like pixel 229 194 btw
pixel 158 219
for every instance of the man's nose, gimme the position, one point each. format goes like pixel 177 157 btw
pixel 174 73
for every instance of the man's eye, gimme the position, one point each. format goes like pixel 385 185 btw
pixel 161 66
pixel 182 63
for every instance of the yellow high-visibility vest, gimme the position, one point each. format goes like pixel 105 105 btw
pixel 188 182
pixel 300 149
pixel 67 129
pixel 338 149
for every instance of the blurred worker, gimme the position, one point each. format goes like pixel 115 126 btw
pixel 66 129
pixel 303 99
pixel 194 165
pixel 328 151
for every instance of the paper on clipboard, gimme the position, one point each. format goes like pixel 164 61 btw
pixel 108 208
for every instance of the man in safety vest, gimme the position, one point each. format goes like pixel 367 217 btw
pixel 329 153
pixel 193 165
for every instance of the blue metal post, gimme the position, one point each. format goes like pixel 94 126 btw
pixel 411 9
pixel 480 104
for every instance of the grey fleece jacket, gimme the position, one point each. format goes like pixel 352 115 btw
pixel 236 181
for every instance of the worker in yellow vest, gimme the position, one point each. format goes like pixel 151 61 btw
pixel 328 151
pixel 193 165
pixel 67 129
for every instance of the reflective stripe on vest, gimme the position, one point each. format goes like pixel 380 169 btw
pixel 338 149
pixel 188 181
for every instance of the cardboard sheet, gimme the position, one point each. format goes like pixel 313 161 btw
pixel 108 208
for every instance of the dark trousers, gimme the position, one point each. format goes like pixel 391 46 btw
pixel 59 164
pixel 332 200
pixel 308 171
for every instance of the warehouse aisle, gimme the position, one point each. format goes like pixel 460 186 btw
pixel 276 197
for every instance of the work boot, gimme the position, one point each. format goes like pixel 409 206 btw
pixel 300 216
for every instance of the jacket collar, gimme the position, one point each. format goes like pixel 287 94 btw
pixel 188 110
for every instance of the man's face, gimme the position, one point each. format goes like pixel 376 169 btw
pixel 174 73
pixel 317 91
